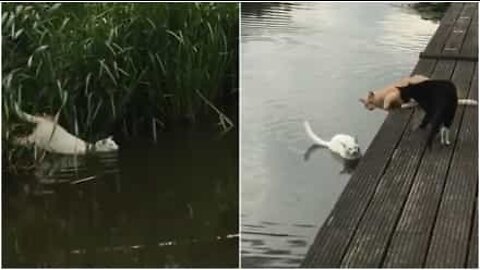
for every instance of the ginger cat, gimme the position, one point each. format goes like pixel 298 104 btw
pixel 389 98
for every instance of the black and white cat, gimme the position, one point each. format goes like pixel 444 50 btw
pixel 438 98
pixel 344 145
pixel 50 136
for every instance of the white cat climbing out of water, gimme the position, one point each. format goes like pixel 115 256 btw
pixel 344 145
pixel 50 136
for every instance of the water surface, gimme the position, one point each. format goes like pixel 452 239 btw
pixel 171 204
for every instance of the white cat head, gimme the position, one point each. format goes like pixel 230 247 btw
pixel 106 145
pixel 352 149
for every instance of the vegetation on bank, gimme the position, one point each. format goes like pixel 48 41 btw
pixel 126 67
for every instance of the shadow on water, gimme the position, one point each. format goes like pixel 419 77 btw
pixel 165 205
pixel 349 165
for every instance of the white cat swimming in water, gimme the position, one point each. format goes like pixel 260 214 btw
pixel 344 145
pixel 50 136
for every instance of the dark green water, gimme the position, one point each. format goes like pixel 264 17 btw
pixel 173 204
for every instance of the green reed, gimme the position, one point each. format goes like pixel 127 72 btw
pixel 133 68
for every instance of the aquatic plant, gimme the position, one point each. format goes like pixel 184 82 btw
pixel 124 68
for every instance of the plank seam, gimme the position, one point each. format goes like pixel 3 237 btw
pixel 384 169
pixel 399 215
pixel 475 202
pixel 452 26
pixel 467 30
pixel 442 56
pixel 472 225
pixel 397 219
pixel 437 211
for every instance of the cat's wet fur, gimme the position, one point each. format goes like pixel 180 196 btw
pixel 48 135
pixel 344 145
pixel 349 165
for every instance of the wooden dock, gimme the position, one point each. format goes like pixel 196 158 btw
pixel 405 205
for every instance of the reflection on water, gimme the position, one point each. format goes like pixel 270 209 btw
pixel 310 61
pixel 165 205
pixel 349 165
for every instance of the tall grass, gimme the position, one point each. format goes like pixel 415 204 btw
pixel 130 68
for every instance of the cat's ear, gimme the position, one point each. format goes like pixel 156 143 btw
pixel 362 100
pixel 371 94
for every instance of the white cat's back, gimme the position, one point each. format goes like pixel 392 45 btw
pixel 55 138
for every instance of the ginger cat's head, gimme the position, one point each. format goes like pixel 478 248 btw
pixel 369 102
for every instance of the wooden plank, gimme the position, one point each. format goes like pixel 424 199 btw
pixel 449 243
pixel 473 248
pixel 442 56
pixel 454 43
pixel 470 45
pixel 452 13
pixel 412 235
pixel 438 40
pixel 334 236
pixel 369 244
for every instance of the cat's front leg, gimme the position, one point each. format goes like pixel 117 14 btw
pixel 445 136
